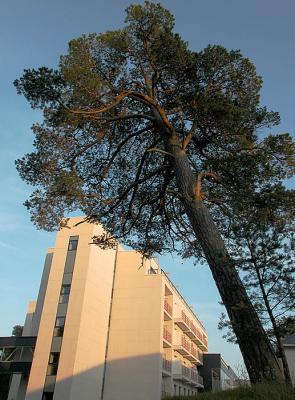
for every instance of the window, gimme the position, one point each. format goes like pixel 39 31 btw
pixel 64 294
pixel 59 326
pixel 73 244
pixel 152 271
pixel 52 364
pixel 65 289
pixel 47 396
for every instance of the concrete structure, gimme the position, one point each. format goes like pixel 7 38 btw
pixel 217 374
pixel 289 348
pixel 108 326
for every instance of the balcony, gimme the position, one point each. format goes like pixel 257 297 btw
pixel 193 356
pixel 184 347
pixel 167 311
pixel 182 373
pixel 204 345
pixel 200 358
pixel 183 322
pixel 167 337
pixel 192 333
pixel 166 367
pixel 200 380
pixel 187 326
pixel 196 379
pixel 201 340
pixel 186 373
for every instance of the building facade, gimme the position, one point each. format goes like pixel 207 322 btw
pixel 289 348
pixel 217 374
pixel 107 325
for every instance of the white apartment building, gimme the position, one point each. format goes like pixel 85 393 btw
pixel 105 326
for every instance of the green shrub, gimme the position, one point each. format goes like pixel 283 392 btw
pixel 255 392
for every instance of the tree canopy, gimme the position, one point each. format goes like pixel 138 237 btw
pixel 97 147
pixel 145 136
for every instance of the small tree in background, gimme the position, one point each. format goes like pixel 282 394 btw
pixel 17 330
pixel 262 237
pixel 134 124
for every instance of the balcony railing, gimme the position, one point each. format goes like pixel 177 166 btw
pixel 200 357
pixel 185 343
pixel 186 371
pixel 200 380
pixel 192 331
pixel 167 307
pixel 167 335
pixel 194 376
pixel 201 340
pixel 194 351
pixel 167 364
pixel 185 319
pixel 193 328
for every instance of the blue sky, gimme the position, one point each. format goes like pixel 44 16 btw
pixel 35 32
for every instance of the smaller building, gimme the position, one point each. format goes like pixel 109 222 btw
pixel 217 374
pixel 289 348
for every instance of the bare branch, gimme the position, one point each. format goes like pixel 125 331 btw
pixel 157 150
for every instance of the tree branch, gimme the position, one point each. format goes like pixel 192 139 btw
pixel 201 176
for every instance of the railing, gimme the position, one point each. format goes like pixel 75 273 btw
pixel 194 376
pixel 199 335
pixel 193 328
pixel 185 318
pixel 159 270
pixel 185 371
pixel 200 356
pixel 167 365
pixel 167 307
pixel 167 335
pixel 185 343
pixel 194 351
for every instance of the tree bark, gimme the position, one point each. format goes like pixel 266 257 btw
pixel 259 356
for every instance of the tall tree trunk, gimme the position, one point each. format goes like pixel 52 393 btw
pixel 259 356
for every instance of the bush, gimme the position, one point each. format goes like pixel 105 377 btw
pixel 255 392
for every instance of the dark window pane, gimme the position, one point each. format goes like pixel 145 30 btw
pixel 63 298
pixel 53 358
pixel 60 321
pixel 47 396
pixel 73 244
pixel 58 331
pixel 51 370
pixel 52 364
pixel 65 289
pixel 59 327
